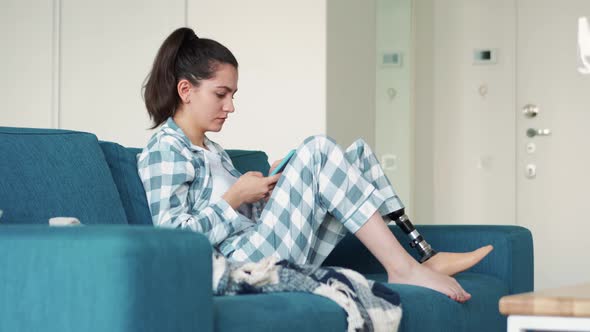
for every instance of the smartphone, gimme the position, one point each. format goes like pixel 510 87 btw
pixel 283 163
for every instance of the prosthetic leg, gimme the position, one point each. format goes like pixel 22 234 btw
pixel 416 240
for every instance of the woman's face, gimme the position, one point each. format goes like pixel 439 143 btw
pixel 212 101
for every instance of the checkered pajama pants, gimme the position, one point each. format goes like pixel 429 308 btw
pixel 322 193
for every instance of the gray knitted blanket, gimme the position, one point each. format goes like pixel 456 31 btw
pixel 369 305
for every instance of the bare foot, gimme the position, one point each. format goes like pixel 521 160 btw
pixel 451 263
pixel 421 276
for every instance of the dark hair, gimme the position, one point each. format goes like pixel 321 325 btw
pixel 183 55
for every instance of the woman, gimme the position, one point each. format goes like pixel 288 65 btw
pixel 299 214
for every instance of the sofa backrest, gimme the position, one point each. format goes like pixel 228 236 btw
pixel 249 160
pixel 47 173
pixel 123 165
pixel 122 162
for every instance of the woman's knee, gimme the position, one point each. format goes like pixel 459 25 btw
pixel 358 147
pixel 320 139
pixel 321 142
pixel 360 143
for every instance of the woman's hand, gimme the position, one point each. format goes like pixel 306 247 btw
pixel 274 165
pixel 250 187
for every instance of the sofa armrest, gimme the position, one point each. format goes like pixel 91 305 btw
pixel 104 278
pixel 511 260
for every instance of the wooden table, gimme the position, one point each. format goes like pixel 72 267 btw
pixel 560 309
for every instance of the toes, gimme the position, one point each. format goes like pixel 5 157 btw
pixel 465 297
pixel 461 294
pixel 458 298
pixel 487 248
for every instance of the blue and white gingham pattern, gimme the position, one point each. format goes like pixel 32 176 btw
pixel 176 177
pixel 322 193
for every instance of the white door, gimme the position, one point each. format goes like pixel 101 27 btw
pixel 553 38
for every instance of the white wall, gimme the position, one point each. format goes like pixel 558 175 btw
pixel 26 70
pixel 423 86
pixel 106 49
pixel 294 82
pixel 281 50
pixel 472 143
pixel 105 57
pixel 350 71
pixel 394 125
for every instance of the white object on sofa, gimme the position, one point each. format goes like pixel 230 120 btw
pixel 64 221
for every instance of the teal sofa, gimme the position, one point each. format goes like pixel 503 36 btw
pixel 119 273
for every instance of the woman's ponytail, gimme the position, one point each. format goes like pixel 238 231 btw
pixel 160 94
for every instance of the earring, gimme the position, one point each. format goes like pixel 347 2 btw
pixel 188 101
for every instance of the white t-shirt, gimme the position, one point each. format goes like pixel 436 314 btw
pixel 221 177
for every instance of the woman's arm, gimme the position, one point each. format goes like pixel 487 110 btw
pixel 167 176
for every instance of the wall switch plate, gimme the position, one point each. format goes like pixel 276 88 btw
pixel 485 56
pixel 391 59
pixel 389 162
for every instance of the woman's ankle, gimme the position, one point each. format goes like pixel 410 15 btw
pixel 401 270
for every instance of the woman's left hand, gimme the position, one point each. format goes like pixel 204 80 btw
pixel 274 165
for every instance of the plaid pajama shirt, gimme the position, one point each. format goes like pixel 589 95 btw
pixel 323 193
pixel 177 181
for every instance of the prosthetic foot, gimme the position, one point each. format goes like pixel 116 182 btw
pixel 416 240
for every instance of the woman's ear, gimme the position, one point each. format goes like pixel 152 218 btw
pixel 184 90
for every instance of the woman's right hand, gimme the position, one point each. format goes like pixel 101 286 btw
pixel 250 187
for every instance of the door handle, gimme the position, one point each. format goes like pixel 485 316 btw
pixel 532 132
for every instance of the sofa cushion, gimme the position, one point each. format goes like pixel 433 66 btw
pixel 297 312
pixel 433 311
pixel 423 308
pixel 123 165
pixel 48 173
